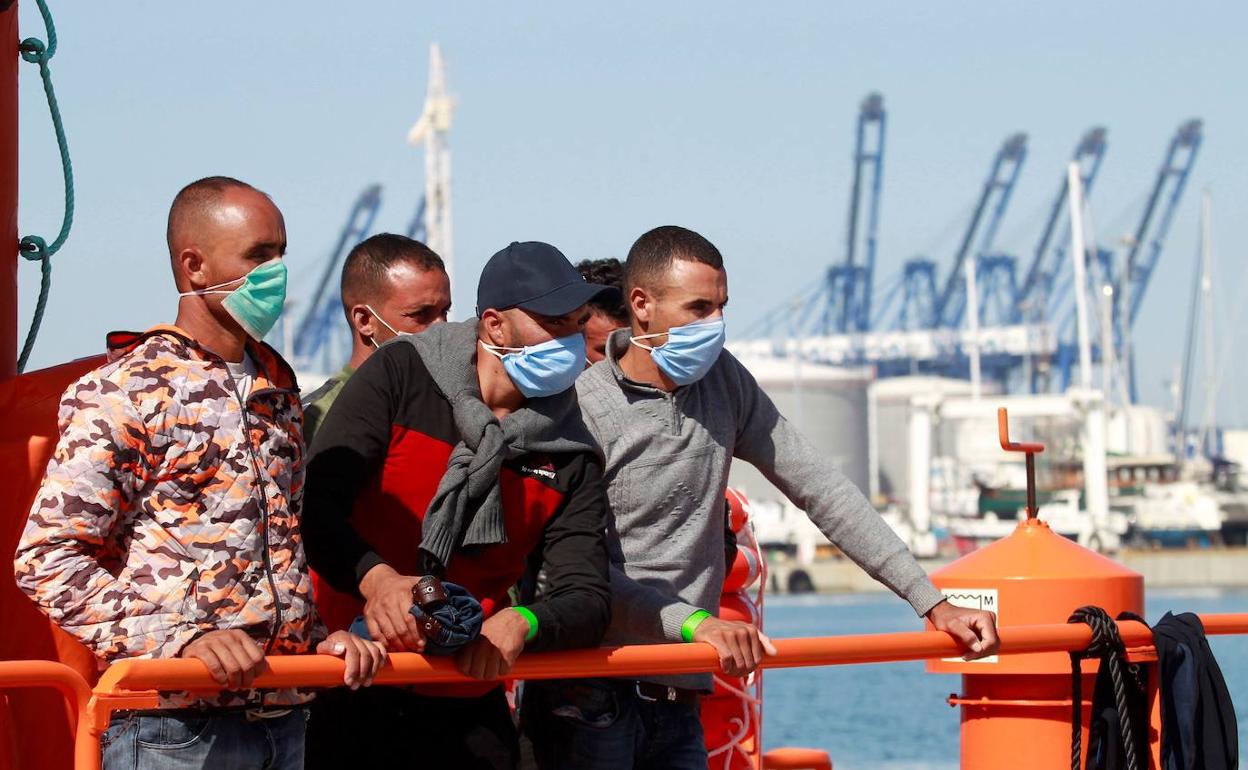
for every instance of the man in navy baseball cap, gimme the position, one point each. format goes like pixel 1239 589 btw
pixel 536 277
pixel 461 452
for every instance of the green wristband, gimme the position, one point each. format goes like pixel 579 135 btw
pixel 528 615
pixel 691 624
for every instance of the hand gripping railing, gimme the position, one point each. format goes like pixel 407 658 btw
pixel 133 683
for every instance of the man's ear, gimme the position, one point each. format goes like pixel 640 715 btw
pixel 190 264
pixel 641 305
pixel 362 320
pixel 494 326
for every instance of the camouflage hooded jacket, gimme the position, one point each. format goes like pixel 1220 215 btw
pixel 171 507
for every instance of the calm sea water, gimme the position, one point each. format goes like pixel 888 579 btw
pixel 894 716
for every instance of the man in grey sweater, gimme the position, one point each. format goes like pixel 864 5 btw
pixel 670 410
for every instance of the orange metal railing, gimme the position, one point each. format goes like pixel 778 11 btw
pixel 22 674
pixel 30 674
pixel 132 684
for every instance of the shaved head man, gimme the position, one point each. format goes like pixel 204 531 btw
pixel 190 436
pixel 220 229
pixel 391 285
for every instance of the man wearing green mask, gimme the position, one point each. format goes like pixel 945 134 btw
pixel 168 522
pixel 391 285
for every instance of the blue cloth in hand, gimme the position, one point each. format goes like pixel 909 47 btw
pixel 448 615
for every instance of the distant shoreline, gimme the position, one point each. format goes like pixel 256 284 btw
pixel 1197 568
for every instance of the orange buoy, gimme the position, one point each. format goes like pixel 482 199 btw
pixel 738 607
pixel 732 714
pixel 738 511
pixel 1032 576
pixel 744 571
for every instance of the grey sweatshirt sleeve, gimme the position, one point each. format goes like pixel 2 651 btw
pixel 789 461
pixel 646 611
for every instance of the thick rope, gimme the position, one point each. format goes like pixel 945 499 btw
pixel 1108 647
pixel 1076 715
pixel 33 247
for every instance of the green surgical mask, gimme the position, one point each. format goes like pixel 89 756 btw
pixel 258 302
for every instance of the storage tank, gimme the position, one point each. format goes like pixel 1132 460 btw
pixel 1137 430
pixel 827 404
pixel 889 402
pixel 1235 448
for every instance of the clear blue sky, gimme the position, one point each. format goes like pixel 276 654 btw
pixel 586 124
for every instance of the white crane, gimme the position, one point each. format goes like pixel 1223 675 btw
pixel 433 130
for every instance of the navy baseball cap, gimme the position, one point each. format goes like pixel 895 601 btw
pixel 533 276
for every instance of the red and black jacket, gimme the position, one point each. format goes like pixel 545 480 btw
pixel 375 464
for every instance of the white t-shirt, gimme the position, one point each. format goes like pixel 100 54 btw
pixel 244 374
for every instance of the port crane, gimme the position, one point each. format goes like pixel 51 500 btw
pixel 324 308
pixel 849 285
pixel 993 200
pixel 1144 247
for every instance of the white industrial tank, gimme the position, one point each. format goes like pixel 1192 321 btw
pixel 827 404
pixel 889 401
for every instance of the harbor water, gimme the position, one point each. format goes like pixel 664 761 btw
pixel 894 716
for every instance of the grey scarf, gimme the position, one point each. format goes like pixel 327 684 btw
pixel 467 508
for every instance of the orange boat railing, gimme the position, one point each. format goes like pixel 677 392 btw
pixel 133 683
pixel 31 674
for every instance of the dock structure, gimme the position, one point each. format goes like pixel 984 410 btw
pixel 1207 568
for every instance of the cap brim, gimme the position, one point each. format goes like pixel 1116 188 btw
pixel 565 299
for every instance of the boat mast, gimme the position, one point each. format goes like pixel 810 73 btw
pixel 1078 255
pixel 1209 425
pixel 1202 289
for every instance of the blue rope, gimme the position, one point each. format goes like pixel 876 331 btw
pixel 33 247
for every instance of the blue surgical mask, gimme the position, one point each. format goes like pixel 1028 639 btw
pixel 690 351
pixel 545 369
pixel 257 302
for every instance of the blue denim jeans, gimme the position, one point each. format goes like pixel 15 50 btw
pixel 191 742
pixel 603 724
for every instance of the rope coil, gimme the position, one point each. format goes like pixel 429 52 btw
pixel 34 247
pixel 1107 646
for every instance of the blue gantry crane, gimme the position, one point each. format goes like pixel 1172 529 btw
pixel 1130 279
pixel 998 188
pixel 1171 180
pixel 848 285
pixel 918 306
pixel 1044 295
pixel 1144 249
pixel 1049 258
pixel 921 306
pixel 324 309
pixel 1033 309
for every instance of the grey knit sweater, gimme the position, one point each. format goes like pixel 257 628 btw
pixel 667 458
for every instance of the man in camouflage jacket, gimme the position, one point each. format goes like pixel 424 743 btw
pixel 167 524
